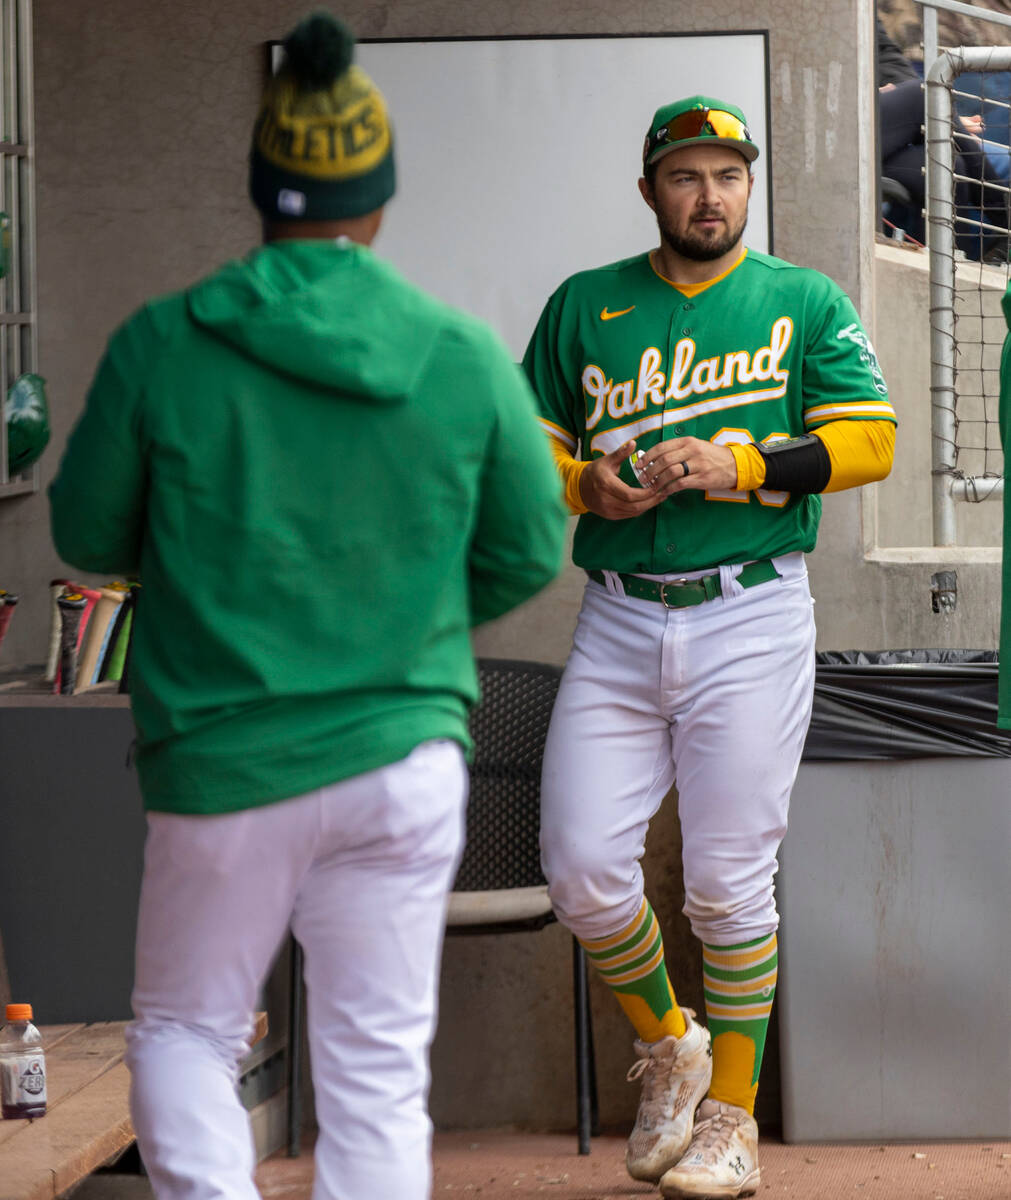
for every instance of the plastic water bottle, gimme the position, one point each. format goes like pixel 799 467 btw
pixel 22 1065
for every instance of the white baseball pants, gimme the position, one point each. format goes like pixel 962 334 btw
pixel 361 870
pixel 716 698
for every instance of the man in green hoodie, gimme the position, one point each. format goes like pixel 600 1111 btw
pixel 323 479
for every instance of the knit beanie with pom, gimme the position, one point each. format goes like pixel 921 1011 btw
pixel 322 143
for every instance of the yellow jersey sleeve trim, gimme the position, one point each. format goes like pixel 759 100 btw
pixel 861 452
pixel 557 433
pixel 868 410
pixel 570 470
pixel 693 289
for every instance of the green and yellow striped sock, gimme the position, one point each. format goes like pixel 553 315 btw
pixel 631 963
pixel 739 983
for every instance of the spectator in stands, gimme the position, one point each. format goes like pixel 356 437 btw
pixel 903 156
pixel 990 90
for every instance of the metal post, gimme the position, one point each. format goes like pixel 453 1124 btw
pixel 295 995
pixel 29 280
pixel 930 47
pixel 941 245
pixel 584 1109
pixel 930 51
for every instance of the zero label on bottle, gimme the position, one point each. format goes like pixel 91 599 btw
pixel 23 1080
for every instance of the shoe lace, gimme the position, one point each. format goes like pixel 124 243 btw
pixel 639 1068
pixel 654 1092
pixel 712 1136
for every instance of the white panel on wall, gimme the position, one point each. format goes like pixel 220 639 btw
pixel 518 158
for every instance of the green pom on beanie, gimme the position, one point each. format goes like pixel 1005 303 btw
pixel 318 51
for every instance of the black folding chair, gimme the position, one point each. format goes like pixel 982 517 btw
pixel 898 214
pixel 499 887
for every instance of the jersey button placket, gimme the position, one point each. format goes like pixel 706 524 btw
pixel 662 548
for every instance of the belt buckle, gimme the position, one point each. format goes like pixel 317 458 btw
pixel 672 583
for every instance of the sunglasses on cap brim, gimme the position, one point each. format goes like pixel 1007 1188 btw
pixel 698 122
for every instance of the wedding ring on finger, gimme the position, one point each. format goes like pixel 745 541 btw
pixel 685 467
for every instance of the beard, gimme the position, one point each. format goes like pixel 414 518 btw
pixel 700 247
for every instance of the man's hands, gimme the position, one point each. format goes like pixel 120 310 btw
pixel 973 125
pixel 608 496
pixel 710 468
pixel 689 464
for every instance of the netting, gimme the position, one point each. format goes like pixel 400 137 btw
pixel 982 200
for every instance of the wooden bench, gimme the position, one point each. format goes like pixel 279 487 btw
pixel 88 1121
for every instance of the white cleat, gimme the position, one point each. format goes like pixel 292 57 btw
pixel 675 1074
pixel 722 1161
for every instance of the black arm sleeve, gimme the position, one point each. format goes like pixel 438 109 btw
pixel 800 465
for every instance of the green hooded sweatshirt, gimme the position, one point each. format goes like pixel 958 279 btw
pixel 323 478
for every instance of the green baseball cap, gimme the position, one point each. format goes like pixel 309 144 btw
pixel 697 121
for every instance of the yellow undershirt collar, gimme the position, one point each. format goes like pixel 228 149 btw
pixel 693 289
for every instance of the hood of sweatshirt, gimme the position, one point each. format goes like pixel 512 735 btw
pixel 327 313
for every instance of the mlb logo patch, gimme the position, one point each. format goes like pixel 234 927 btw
pixel 291 202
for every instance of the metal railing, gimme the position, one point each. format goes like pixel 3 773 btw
pixel 18 289
pixel 950 483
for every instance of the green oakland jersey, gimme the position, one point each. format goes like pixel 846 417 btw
pixel 768 351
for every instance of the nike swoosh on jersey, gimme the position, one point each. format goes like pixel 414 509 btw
pixel 609 316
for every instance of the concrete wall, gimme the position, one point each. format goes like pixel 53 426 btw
pixel 143 114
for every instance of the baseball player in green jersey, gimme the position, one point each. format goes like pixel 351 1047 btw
pixel 698 399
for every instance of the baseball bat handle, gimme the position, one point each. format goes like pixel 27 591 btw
pixel 56 587
pixel 7 603
pixel 71 606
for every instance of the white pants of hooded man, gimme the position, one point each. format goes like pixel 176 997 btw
pixel 360 871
